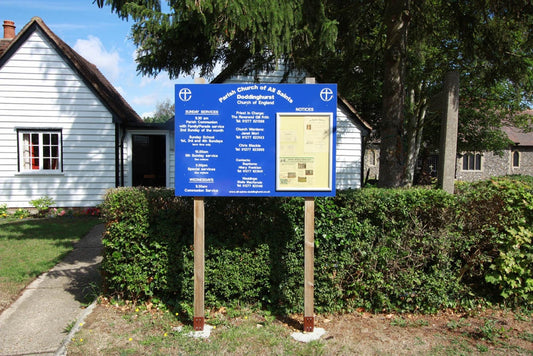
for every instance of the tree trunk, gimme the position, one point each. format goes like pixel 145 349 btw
pixel 392 168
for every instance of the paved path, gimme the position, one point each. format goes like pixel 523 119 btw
pixel 37 322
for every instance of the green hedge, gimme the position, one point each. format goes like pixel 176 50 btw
pixel 380 249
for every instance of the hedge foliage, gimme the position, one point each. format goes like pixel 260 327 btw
pixel 379 249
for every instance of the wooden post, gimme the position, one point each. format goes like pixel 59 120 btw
pixel 199 264
pixel 309 257
pixel 199 256
pixel 309 261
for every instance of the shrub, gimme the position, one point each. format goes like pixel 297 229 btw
pixel 42 204
pixel 379 249
pixel 511 270
pixel 127 256
pixel 21 213
pixel 388 250
pixel 3 210
pixel 496 216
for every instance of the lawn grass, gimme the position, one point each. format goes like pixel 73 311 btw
pixel 115 328
pixel 29 247
pixel 146 333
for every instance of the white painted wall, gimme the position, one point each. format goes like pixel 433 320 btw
pixel 349 152
pixel 38 89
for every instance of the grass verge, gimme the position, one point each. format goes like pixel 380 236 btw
pixel 126 329
pixel 29 247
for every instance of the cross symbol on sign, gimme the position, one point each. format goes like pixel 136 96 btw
pixel 185 94
pixel 326 94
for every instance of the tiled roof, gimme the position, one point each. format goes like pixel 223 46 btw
pixel 518 136
pixel 88 71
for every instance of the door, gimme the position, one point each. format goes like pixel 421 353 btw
pixel 149 160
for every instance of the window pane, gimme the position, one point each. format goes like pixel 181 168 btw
pixel 40 150
pixel 26 151
pixel 516 159
pixel 478 162
pixel 34 156
pixel 465 162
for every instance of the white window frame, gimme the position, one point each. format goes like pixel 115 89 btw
pixel 473 156
pixel 47 159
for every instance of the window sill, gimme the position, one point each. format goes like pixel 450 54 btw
pixel 40 173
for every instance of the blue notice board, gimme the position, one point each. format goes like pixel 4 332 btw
pixel 255 139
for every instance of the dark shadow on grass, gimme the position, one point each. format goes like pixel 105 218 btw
pixel 62 230
pixel 291 322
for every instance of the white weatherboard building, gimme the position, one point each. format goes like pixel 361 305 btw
pixel 65 132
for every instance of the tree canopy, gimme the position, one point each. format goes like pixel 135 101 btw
pixel 164 110
pixel 194 36
pixel 388 57
pixel 488 42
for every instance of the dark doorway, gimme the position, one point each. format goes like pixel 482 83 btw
pixel 149 160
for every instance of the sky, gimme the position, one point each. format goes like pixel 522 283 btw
pixel 102 38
